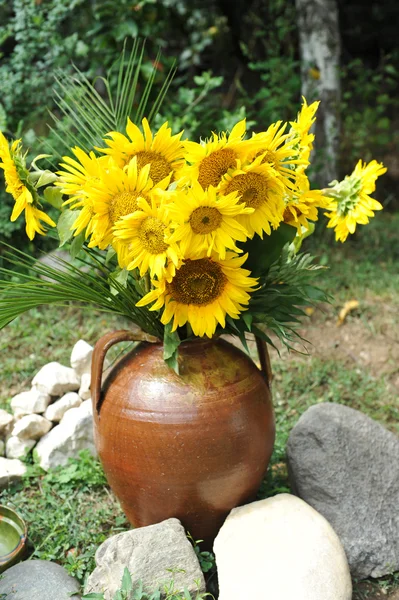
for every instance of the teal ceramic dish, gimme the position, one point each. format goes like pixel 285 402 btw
pixel 13 536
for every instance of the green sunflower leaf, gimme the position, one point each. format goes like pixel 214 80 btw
pixel 171 342
pixel 64 225
pixel 264 252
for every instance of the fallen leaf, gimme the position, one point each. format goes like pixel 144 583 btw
pixel 345 310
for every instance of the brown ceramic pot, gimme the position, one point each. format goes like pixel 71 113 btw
pixel 191 446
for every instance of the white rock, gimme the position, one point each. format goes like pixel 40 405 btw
pixel 81 357
pixel 10 470
pixel 280 548
pixel 84 390
pixel 56 411
pixel 17 448
pixel 73 434
pixel 2 448
pixel 56 380
pixel 6 422
pixel 27 403
pixel 31 427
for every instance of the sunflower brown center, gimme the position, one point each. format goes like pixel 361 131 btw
pixel 160 167
pixel 252 187
pixel 213 167
pixel 270 157
pixel 122 204
pixel 197 282
pixel 152 235
pixel 288 214
pixel 205 219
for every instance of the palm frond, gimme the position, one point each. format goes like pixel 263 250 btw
pixel 277 306
pixel 69 283
pixel 86 116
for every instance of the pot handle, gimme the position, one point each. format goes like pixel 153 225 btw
pixel 100 350
pixel 264 359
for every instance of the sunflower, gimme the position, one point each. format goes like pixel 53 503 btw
pixel 140 241
pixel 350 202
pixel 277 151
pixel 25 195
pixel 163 151
pixel 299 133
pixel 259 187
pixel 211 160
pixel 302 206
pixel 205 222
pixel 77 173
pixel 114 196
pixel 202 292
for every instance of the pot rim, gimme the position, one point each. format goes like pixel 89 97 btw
pixel 19 521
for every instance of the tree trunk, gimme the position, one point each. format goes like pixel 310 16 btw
pixel 320 53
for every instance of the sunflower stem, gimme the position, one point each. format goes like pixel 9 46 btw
pixel 147 283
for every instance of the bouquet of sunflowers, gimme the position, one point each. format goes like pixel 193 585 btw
pixel 183 238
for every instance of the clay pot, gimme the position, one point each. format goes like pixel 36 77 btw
pixel 191 446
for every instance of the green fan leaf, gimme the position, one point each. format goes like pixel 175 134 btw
pixel 87 116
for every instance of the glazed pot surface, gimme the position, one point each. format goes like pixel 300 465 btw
pixel 191 446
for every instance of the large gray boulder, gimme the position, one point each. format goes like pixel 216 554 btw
pixel 280 549
pixel 346 466
pixel 38 580
pixel 150 554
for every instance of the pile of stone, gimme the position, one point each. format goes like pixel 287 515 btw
pixel 53 419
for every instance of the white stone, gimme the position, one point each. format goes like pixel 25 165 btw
pixel 56 380
pixel 280 548
pixel 18 448
pixel 84 390
pixel 2 448
pixel 6 422
pixel 27 403
pixel 56 411
pixel 81 357
pixel 11 469
pixel 31 427
pixel 148 553
pixel 66 440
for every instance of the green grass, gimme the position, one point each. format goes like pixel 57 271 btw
pixel 45 335
pixel 71 512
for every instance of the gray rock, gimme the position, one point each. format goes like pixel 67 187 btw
pixel 27 403
pixel 38 580
pixel 346 466
pixel 280 549
pixel 148 553
pixel 66 440
pixel 84 390
pixel 81 357
pixel 11 469
pixel 56 380
pixel 17 448
pixel 31 427
pixel 57 410
pixel 6 422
